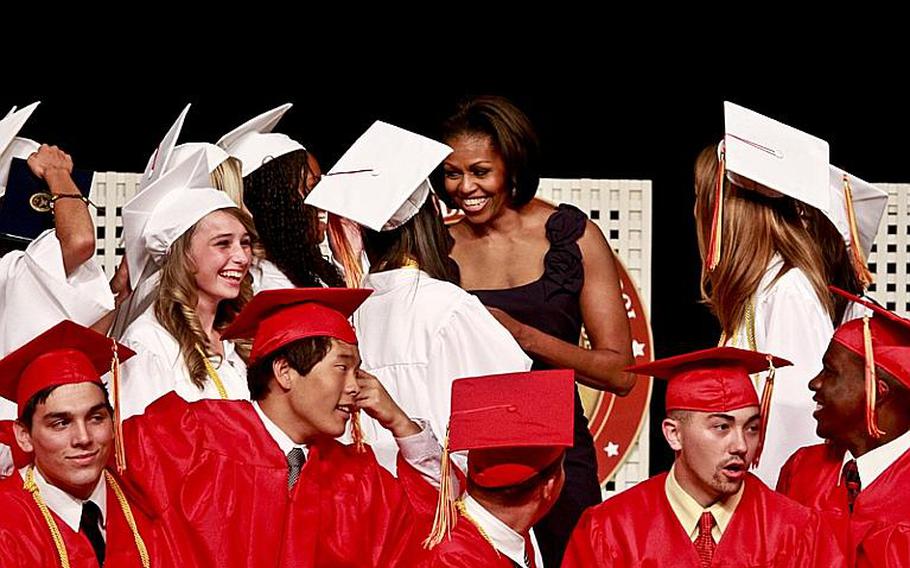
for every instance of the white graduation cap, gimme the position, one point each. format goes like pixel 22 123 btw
pixel 12 146
pixel 381 181
pixel 868 201
pixel 254 143
pixel 214 155
pixel 167 208
pixel 159 159
pixel 856 210
pixel 774 156
pixel 168 153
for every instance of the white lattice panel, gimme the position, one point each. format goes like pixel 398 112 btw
pixel 110 190
pixel 890 257
pixel 622 210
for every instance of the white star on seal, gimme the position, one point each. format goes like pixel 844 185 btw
pixel 612 450
pixel 638 348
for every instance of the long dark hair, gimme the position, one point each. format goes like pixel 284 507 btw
pixel 423 239
pixel 288 229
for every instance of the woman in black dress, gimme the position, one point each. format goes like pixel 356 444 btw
pixel 543 272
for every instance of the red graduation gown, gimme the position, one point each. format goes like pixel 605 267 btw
pixel 811 477
pixel 218 481
pixel 26 542
pixel 638 528
pixel 886 547
pixel 466 548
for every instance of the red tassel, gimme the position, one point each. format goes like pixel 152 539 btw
pixel 856 247
pixel 712 258
pixel 348 257
pixel 871 382
pixel 765 410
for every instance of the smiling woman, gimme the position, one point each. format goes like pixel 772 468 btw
pixel 543 272
pixel 204 284
pixel 203 245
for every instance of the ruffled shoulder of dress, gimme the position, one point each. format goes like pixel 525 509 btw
pixel 566 225
pixel 563 269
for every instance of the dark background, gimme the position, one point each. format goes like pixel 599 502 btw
pixel 598 119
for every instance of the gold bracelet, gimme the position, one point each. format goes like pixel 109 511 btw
pixel 55 196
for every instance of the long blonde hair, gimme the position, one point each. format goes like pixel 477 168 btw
pixel 755 228
pixel 175 306
pixel 227 177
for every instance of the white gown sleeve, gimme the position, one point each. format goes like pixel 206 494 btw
pixel 147 376
pixel 470 344
pixel 422 452
pixel 797 328
pixel 84 296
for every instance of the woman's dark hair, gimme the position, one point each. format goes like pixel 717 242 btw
pixel 423 239
pixel 302 355
pixel 288 229
pixel 511 134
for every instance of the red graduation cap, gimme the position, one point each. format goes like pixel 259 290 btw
pixel 710 380
pixel 513 425
pixel 67 353
pixel 882 340
pixel 716 380
pixel 274 318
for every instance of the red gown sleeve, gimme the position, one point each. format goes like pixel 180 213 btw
pixel 160 449
pixel 588 545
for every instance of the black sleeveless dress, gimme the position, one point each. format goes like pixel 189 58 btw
pixel 552 305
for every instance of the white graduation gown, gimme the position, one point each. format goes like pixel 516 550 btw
pixel 417 335
pixel 267 276
pixel 158 368
pixel 790 322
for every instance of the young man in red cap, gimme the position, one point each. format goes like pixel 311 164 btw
pixel 55 277
pixel 65 508
pixel 860 478
pixel 708 510
pixel 516 428
pixel 264 483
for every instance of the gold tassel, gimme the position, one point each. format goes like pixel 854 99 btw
pixel 714 247
pixel 856 247
pixel 871 382
pixel 446 511
pixel 357 432
pixel 765 409
pixel 119 451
